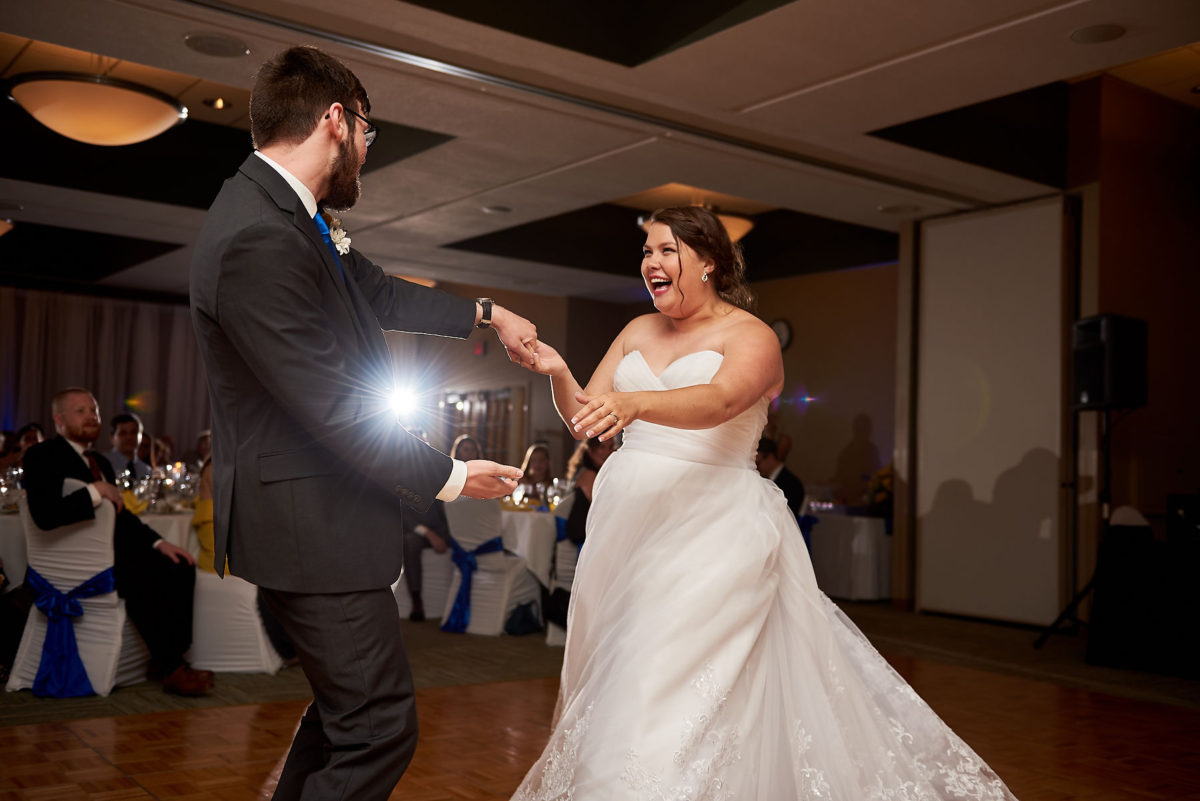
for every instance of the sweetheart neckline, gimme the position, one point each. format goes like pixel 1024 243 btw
pixel 671 364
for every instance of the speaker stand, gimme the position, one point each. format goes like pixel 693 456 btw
pixel 1104 496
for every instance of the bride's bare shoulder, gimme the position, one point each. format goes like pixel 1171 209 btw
pixel 640 330
pixel 742 324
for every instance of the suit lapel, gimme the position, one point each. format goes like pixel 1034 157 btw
pixel 73 464
pixel 285 198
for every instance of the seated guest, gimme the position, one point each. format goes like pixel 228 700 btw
pixel 582 469
pixel 155 577
pixel 145 450
pixel 467 447
pixel 196 456
pixel 26 436
pixel 535 474
pixel 771 466
pixel 161 451
pixel 202 521
pixel 430 530
pixel 125 434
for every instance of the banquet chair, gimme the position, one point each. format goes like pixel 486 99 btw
pixel 437 571
pixel 109 648
pixel 498 582
pixel 227 632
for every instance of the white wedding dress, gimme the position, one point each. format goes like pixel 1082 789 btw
pixel 702 662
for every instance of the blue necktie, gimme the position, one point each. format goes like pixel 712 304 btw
pixel 324 229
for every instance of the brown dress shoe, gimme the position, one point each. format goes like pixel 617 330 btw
pixel 185 681
pixel 207 675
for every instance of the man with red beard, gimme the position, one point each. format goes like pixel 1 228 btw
pixel 311 470
pixel 155 577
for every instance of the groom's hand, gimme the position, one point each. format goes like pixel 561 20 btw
pixel 489 479
pixel 518 335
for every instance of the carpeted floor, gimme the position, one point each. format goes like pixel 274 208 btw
pixel 440 660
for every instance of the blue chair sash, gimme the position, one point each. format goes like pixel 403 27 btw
pixel 60 673
pixel 560 532
pixel 460 613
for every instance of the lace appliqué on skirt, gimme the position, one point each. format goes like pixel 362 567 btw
pixel 560 761
pixel 705 751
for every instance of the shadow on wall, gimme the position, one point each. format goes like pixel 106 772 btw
pixel 857 462
pixel 998 558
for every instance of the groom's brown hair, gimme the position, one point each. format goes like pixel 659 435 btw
pixel 292 91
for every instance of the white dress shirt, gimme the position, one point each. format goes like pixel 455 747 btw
pixel 96 498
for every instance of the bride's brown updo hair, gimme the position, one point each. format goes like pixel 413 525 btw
pixel 700 230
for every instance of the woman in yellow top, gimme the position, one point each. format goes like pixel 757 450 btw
pixel 202 519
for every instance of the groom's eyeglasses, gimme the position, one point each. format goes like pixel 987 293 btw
pixel 369 132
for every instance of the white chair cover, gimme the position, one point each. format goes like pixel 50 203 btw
pixel 473 522
pixel 1127 516
pixel 501 582
pixel 227 632
pixel 112 652
pixel 437 571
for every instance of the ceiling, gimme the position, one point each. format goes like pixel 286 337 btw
pixel 516 148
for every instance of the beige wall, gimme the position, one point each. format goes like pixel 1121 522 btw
pixel 843 354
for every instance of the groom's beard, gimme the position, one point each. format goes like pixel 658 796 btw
pixel 344 186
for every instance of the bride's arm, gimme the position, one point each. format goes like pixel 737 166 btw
pixel 565 389
pixel 752 368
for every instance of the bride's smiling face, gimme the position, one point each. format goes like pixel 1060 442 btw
pixel 672 272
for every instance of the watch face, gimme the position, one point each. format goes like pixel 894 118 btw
pixel 783 330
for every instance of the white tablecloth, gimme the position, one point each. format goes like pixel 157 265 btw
pixel 531 536
pixel 12 549
pixel 852 557
pixel 173 528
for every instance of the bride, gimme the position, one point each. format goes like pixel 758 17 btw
pixel 702 662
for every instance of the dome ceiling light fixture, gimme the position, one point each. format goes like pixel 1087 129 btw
pixel 736 225
pixel 95 109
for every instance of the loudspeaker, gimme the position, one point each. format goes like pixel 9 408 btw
pixel 1108 363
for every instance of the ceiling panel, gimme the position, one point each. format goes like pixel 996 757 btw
pixel 769 102
pixel 626 32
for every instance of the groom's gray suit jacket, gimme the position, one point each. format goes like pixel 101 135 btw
pixel 310 468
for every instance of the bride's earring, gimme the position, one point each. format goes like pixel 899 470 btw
pixel 704 278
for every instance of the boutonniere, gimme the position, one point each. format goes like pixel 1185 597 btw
pixel 338 234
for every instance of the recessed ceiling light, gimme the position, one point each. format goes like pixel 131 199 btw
pixel 216 44
pixel 495 209
pixel 1096 34
pixel 219 103
pixel 898 208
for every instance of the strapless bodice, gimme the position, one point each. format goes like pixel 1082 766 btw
pixel 731 444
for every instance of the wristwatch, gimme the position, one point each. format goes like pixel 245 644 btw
pixel 485 319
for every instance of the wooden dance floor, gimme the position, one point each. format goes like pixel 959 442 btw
pixel 1049 743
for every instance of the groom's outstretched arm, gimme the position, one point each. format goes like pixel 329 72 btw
pixel 401 305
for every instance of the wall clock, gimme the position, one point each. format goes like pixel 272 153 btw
pixel 783 330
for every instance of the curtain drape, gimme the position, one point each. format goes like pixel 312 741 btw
pixel 133 355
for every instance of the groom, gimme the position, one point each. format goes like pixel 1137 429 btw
pixel 309 468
